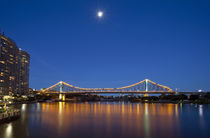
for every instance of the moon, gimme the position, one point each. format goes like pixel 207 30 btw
pixel 100 14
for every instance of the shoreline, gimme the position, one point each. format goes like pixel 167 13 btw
pixel 9 115
pixel 78 101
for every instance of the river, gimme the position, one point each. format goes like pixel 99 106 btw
pixel 109 119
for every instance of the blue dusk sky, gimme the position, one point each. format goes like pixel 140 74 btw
pixel 166 41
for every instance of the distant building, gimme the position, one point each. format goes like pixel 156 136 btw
pixel 14 68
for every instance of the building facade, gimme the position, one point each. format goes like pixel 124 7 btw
pixel 24 63
pixel 14 68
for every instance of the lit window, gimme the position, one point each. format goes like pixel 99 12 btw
pixel 2 74
pixel 2 62
pixel 11 77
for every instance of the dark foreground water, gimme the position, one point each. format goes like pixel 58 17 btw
pixel 96 120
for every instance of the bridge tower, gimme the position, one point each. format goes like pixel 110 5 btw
pixel 146 87
pixel 61 95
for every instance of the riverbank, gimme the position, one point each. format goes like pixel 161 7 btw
pixel 169 98
pixel 184 99
pixel 9 115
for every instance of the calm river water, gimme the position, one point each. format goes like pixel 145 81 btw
pixel 109 119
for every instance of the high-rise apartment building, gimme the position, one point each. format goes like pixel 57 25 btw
pixel 14 68
pixel 24 61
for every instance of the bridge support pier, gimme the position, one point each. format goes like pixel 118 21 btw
pixel 62 97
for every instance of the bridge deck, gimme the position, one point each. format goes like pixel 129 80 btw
pixel 113 92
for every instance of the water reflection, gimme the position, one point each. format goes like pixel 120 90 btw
pixel 147 122
pixel 108 120
pixel 23 107
pixel 8 132
pixel 67 118
pixel 201 110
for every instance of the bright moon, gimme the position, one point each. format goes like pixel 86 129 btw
pixel 100 14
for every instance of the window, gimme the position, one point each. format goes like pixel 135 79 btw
pixel 2 74
pixel 2 62
pixel 11 77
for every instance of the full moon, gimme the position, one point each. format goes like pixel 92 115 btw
pixel 100 14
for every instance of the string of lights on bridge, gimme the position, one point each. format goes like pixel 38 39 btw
pixel 145 85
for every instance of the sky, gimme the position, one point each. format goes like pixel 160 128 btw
pixel 166 41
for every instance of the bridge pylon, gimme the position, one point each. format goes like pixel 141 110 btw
pixel 62 96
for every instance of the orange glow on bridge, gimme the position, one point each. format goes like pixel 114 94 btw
pixel 140 87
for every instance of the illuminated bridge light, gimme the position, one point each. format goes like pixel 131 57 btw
pixel 145 86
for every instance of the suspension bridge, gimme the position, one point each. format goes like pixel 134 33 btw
pixel 143 87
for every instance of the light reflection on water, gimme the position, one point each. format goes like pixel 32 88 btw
pixel 8 132
pixel 109 120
